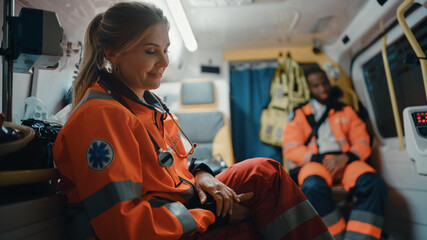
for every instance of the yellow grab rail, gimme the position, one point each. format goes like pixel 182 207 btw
pixel 412 40
pixel 392 94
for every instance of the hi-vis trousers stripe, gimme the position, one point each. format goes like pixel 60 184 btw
pixel 349 235
pixel 331 218
pixel 187 221
pixel 366 217
pixel 290 220
pixel 335 223
pixel 363 223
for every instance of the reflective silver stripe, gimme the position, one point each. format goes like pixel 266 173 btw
pixel 367 217
pixel 110 195
pixel 324 236
pixel 342 142
pixel 343 120
pixel 307 157
pixel 187 221
pixel 187 194
pixel 92 94
pixel 354 235
pixel 355 153
pixel 290 145
pixel 78 224
pixel 362 142
pixel 332 218
pixel 288 221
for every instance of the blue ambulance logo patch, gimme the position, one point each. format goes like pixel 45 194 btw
pixel 99 155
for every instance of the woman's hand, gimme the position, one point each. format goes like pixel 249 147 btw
pixel 240 211
pixel 223 195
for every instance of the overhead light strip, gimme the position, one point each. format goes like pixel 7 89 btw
pixel 183 25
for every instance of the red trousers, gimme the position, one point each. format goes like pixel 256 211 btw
pixel 278 207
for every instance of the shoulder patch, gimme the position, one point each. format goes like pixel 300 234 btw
pixel 99 155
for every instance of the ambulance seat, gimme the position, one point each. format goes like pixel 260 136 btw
pixel 204 124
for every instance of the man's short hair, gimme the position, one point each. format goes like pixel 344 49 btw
pixel 314 70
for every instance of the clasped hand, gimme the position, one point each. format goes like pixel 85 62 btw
pixel 227 201
pixel 336 165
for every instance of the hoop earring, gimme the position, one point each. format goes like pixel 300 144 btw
pixel 109 69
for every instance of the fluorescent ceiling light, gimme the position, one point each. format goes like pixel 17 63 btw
pixel 228 3
pixel 182 24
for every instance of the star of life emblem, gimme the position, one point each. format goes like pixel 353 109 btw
pixel 99 155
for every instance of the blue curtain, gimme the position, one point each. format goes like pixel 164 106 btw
pixel 249 95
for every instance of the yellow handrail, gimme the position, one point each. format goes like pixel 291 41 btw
pixel 392 94
pixel 412 40
pixel 10 178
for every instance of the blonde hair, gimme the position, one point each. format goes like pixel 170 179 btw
pixel 120 28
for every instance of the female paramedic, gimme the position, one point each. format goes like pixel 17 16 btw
pixel 123 156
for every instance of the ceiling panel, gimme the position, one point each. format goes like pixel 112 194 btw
pixel 258 24
pixel 267 23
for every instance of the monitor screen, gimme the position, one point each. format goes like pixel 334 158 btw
pixel 420 118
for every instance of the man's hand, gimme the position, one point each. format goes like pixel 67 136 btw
pixel 223 195
pixel 336 165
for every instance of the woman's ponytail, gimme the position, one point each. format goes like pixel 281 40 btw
pixel 93 60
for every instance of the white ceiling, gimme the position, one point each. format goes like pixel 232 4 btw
pixel 216 26
pixel 267 22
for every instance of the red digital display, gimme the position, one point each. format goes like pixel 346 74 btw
pixel 420 118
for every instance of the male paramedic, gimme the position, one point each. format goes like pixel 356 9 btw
pixel 330 144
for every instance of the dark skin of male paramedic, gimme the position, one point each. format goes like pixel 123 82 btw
pixel 320 89
pixel 329 143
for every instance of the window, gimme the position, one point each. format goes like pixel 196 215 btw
pixel 407 79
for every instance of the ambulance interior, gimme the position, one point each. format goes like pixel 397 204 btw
pixel 220 74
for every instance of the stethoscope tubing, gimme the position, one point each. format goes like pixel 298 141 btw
pixel 164 157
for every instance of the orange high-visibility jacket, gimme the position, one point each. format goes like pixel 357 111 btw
pixel 348 129
pixel 115 186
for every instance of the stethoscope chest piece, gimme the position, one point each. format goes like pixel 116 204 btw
pixel 165 158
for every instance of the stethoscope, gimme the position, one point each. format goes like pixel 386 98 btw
pixel 164 157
